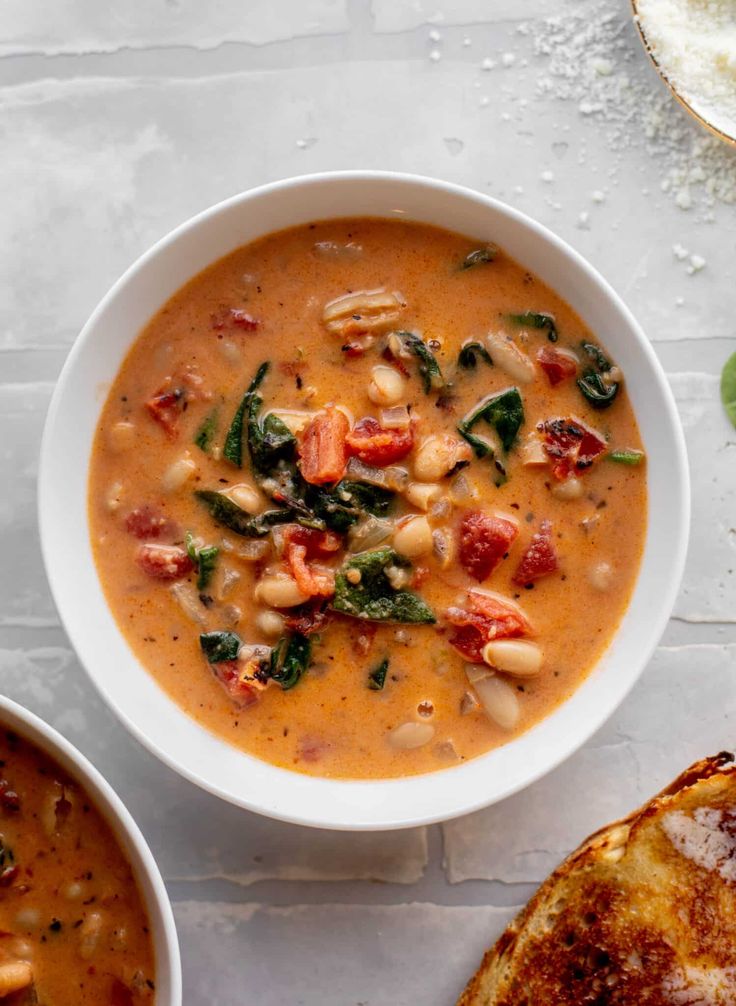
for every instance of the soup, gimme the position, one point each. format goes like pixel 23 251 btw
pixel 367 498
pixel 74 927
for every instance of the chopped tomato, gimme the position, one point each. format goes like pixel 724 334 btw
pixel 307 618
pixel 245 691
pixel 145 522
pixel 311 749
pixel 374 445
pixel 233 317
pixel 539 559
pixel 164 562
pixel 322 448
pixel 487 617
pixel 556 365
pixel 166 406
pixel 484 541
pixel 572 446
pixel 120 994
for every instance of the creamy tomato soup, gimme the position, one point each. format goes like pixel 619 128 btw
pixel 73 924
pixel 367 498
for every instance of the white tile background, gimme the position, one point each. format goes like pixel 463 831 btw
pixel 119 120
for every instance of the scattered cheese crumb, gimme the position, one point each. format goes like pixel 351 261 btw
pixel 467 42
pixel 584 220
pixel 434 35
pixel 435 55
pixel 487 64
pixel 679 252
pixel 547 176
pixel 598 196
pixel 508 59
pixel 697 262
pixel 484 101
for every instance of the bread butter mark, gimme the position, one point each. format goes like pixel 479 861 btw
pixel 708 838
pixel 693 986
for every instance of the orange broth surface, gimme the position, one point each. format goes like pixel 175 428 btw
pixel 265 302
pixel 71 914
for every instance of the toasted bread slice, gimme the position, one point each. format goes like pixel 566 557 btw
pixel 642 914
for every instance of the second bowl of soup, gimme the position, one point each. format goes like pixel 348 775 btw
pixel 368 499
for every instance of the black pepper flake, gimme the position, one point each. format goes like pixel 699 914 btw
pixel 55 926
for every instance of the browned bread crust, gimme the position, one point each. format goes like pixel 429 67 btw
pixel 643 913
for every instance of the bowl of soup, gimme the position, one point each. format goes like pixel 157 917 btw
pixel 84 913
pixel 363 499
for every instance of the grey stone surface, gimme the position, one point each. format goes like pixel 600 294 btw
pixel 119 121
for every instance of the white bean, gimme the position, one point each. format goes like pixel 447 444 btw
pixel 246 497
pixel 411 735
pixel 571 489
pixel 499 700
pixel 270 623
pixel 422 494
pixel 387 385
pixel 509 358
pixel 294 419
pixel 375 308
pixel 515 656
pixel 121 436
pixel 178 472
pixel 437 455
pixel 15 975
pixel 413 537
pixel 279 591
pixel 89 935
pixel 600 576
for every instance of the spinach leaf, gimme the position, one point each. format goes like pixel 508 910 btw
pixel 504 412
pixel 479 257
pixel 220 646
pixel 290 658
pixel 728 387
pixel 205 435
pixel 373 598
pixel 228 513
pixel 599 393
pixel 267 442
pixel 627 457
pixel 537 319
pixel 377 677
pixel 429 369
pixel 205 560
pixel 469 352
pixel 344 504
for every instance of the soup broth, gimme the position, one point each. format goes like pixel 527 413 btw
pixel 367 498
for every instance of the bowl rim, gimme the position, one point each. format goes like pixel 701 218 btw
pixel 41 734
pixel 342 815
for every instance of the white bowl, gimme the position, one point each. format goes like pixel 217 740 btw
pixel 163 931
pixel 125 684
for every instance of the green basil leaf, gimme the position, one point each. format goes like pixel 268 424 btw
pixel 220 646
pixel 599 395
pixel 728 387
pixel 373 598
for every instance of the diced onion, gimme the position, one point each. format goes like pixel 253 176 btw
pixel 187 598
pixel 396 418
pixel 393 477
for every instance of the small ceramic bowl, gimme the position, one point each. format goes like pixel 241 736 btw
pixel 141 704
pixel 166 946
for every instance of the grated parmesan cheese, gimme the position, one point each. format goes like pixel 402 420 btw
pixel 694 42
